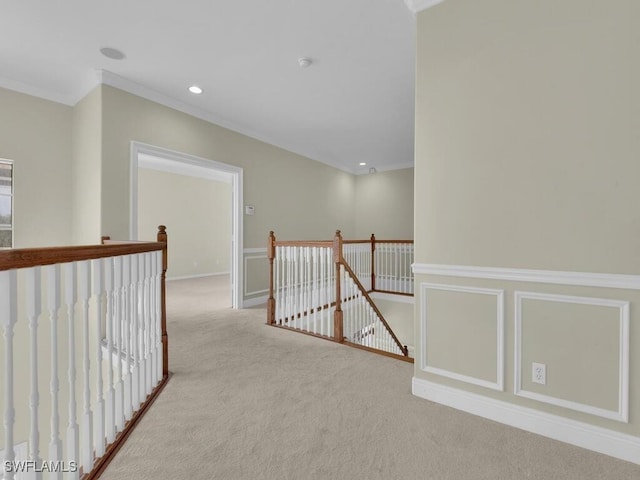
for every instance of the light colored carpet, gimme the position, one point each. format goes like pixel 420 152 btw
pixel 248 401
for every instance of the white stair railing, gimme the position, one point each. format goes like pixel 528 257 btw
pixel 97 295
pixel 304 288
pixel 392 261
pixel 312 288
pixel 358 255
pixel 363 323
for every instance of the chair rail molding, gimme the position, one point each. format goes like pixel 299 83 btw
pixel 583 279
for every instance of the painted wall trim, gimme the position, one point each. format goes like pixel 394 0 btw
pixel 584 279
pixel 106 77
pixel 622 413
pixel 237 201
pixel 602 440
pixel 246 274
pixel 200 275
pixel 418 5
pixel 253 251
pixel 181 167
pixel 254 302
pixel 500 354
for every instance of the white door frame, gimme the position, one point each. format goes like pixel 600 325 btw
pixel 236 176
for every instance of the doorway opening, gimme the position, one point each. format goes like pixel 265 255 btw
pixel 164 161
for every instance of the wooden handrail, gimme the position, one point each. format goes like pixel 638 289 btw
pixel 33 257
pixel 394 241
pixel 304 243
pixel 338 258
pixel 364 293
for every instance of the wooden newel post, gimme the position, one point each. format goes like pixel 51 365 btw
pixel 271 302
pixel 162 237
pixel 338 330
pixel 373 262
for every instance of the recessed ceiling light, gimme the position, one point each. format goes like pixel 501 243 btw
pixel 195 89
pixel 362 164
pixel 112 53
pixel 304 62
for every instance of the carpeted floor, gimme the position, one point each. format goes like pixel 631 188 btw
pixel 248 401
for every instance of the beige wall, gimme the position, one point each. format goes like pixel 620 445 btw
pixel 526 157
pixel 384 205
pixel 526 137
pixel 294 196
pixel 199 211
pixel 36 135
pixel 86 171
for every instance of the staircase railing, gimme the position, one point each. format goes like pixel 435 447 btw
pixel 101 358
pixel 314 288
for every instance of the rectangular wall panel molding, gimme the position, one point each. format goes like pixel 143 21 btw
pixel 622 412
pixel 499 318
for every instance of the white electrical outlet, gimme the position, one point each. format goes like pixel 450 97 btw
pixel 539 373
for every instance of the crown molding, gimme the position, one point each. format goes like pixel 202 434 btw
pixel 108 78
pixel 419 5
pixel 105 77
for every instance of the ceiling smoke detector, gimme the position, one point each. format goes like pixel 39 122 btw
pixel 112 53
pixel 304 62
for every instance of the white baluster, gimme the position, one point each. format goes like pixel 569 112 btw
pixel 276 284
pixel 149 316
pixel 126 337
pixel 314 295
pixel 8 284
pixel 142 344
pixel 98 411
pixel 158 321
pixel 71 296
pixel 84 277
pixel 34 308
pixel 110 400
pixel 134 319
pixel 53 304
pixel 323 286
pixel 289 284
pixel 144 286
pixel 151 336
pixel 118 335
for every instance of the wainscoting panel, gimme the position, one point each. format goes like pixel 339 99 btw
pixel 594 378
pixel 462 333
pixel 256 272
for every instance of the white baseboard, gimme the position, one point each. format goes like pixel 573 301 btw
pixel 254 302
pixel 602 440
pixel 200 275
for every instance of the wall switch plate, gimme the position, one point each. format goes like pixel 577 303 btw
pixel 539 373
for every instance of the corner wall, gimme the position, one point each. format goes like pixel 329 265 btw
pixel 384 205
pixel 36 135
pixel 526 169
